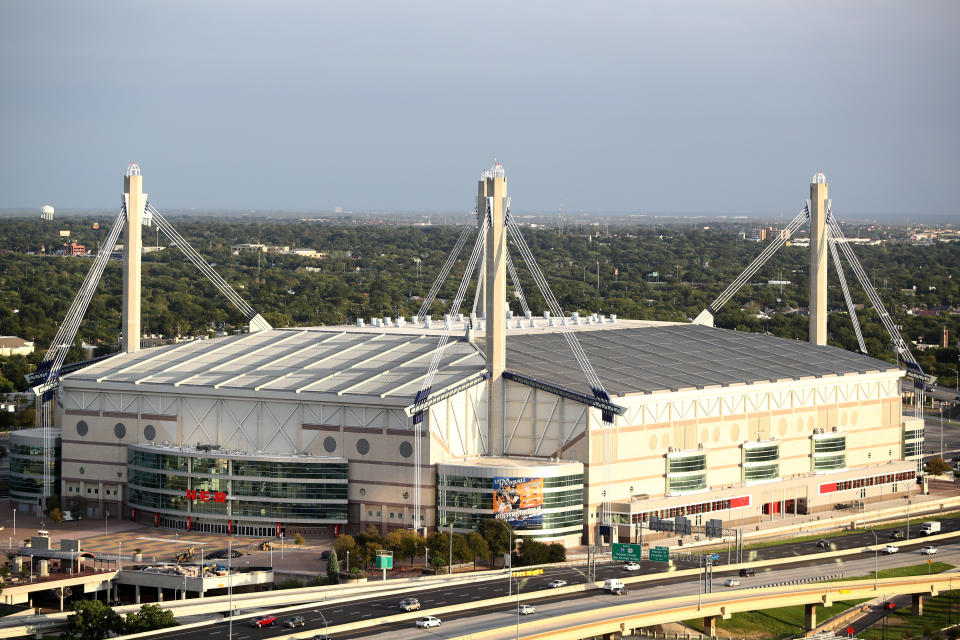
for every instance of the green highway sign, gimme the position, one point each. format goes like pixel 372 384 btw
pixel 660 554
pixel 627 552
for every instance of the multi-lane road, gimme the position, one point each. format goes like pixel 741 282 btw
pixel 381 606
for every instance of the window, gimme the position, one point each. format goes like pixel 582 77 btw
pixel 829 463
pixel 830 444
pixel 764 453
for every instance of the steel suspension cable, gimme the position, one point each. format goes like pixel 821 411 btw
pixel 516 285
pixel 444 272
pixel 588 371
pixel 851 309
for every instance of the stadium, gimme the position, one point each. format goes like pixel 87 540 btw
pixel 570 428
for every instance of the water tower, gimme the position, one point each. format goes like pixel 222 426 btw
pixel 46 212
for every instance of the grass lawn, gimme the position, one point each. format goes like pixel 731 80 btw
pixel 939 612
pixel 903 572
pixel 785 622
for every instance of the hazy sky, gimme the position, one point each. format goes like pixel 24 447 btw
pixel 601 106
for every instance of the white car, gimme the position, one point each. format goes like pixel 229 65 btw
pixel 631 566
pixel 928 550
pixel 890 549
pixel 556 584
pixel 428 621
pixel 526 609
pixel 731 582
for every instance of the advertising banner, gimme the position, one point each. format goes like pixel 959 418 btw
pixel 519 502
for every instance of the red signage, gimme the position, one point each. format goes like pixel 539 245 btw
pixel 206 496
pixel 851 631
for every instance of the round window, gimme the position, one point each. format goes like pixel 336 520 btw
pixel 329 444
pixel 363 446
pixel 406 449
pixel 149 432
pixel 119 430
pixel 82 428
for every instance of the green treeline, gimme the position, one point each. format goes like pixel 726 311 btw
pixel 370 270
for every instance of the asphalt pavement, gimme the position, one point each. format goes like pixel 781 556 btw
pixel 380 606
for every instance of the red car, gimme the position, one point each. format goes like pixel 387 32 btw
pixel 890 604
pixel 263 621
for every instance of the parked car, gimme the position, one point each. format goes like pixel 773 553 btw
pixel 890 604
pixel 325 554
pixel 295 621
pixel 409 604
pixel 731 582
pixel 526 609
pixel 321 636
pixel 427 621
pixel 746 573
pixel 890 549
pixel 556 584
pixel 263 621
pixel 823 544
pixel 928 550
pixel 897 535
pixel 631 566
pixel 619 591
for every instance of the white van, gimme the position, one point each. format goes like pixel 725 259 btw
pixel 929 528
pixel 612 583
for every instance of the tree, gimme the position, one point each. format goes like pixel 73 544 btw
pixel 533 552
pixel 556 552
pixel 298 540
pixel 405 543
pixel 333 567
pixel 478 547
pixel 497 533
pixel 93 620
pixel 150 617
pixel 936 466
pixel 344 546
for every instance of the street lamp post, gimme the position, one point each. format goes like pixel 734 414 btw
pixel 14 522
pixel 106 514
pixel 941 430
pixel 230 587
pixel 876 557
pixel 450 557
pixel 518 606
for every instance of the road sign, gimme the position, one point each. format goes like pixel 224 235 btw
pixel 660 554
pixel 627 552
pixel 384 560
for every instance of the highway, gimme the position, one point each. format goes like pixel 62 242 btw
pixel 380 606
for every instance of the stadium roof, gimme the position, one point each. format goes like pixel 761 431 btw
pixel 313 363
pixel 388 365
pixel 679 356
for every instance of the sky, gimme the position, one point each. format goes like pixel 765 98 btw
pixel 672 107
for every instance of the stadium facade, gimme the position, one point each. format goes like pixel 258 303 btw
pixel 309 429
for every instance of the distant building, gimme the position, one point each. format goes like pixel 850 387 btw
pixel 46 213
pixel 14 346
pixel 74 249
pixel 278 249
pixel 251 248
pixel 305 253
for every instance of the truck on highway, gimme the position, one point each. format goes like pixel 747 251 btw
pixel 611 584
pixel 930 528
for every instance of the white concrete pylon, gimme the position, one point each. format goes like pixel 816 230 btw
pixel 135 201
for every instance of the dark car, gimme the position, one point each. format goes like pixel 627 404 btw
pixel 823 544
pixel 295 621
pixel 321 636
pixel 619 591
pixel 897 535
pixel 746 573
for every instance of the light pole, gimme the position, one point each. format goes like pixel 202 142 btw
pixel 510 568
pixel 281 545
pixel 876 557
pixel 230 587
pixel 106 514
pixel 119 552
pixel 941 430
pixel 518 605
pixel 450 557
pixel 14 521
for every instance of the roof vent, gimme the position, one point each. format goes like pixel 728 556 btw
pixel 835 429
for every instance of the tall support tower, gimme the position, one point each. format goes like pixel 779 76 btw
pixel 492 201
pixel 818 205
pixel 135 201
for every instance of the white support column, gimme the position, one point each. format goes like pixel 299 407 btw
pixel 495 283
pixel 136 201
pixel 818 205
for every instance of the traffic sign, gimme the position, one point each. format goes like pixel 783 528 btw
pixel 627 552
pixel 660 554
